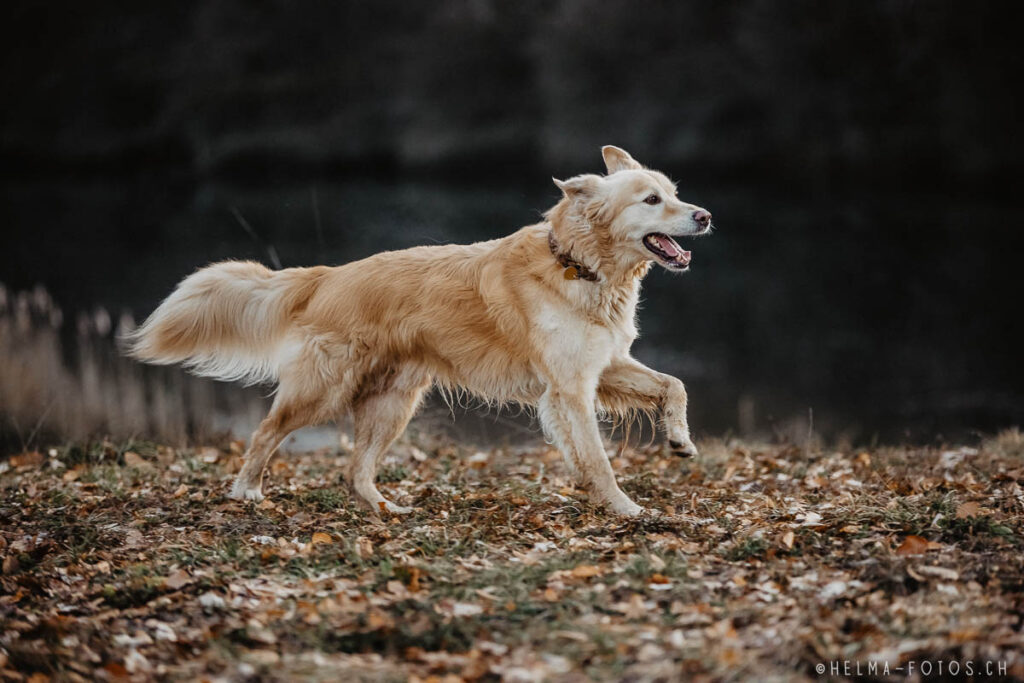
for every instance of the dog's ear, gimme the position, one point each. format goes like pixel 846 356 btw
pixel 617 159
pixel 579 186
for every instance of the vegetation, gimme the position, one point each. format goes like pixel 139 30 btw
pixel 129 560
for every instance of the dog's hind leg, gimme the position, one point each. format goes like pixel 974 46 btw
pixel 286 415
pixel 305 396
pixel 380 415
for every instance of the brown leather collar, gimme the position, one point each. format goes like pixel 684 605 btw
pixel 574 270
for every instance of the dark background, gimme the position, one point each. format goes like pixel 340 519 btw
pixel 862 160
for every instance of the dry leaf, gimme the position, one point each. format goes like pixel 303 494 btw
pixel 133 459
pixel 321 538
pixel 635 609
pixel 585 571
pixel 967 510
pixel 461 609
pixel 414 579
pixel 177 580
pixel 811 519
pixel 116 670
pixel 938 572
pixel 788 538
pixel 913 545
pixel 27 459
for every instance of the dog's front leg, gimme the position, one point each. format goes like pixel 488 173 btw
pixel 569 421
pixel 628 387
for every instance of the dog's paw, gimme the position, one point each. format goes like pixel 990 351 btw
pixel 386 506
pixel 683 449
pixel 626 508
pixel 240 491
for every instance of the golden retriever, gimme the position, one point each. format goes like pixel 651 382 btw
pixel 544 317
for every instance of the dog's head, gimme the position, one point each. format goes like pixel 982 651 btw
pixel 629 217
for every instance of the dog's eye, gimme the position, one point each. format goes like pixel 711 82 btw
pixel 652 199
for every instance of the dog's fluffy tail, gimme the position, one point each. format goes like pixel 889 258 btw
pixel 227 321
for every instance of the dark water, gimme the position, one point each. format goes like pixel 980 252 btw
pixel 884 315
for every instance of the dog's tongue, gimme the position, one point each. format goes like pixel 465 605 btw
pixel 669 246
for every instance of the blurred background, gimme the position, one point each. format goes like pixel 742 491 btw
pixel 862 160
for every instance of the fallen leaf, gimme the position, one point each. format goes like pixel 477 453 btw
pixel 968 510
pixel 321 538
pixel 913 545
pixel 414 579
pixel 585 571
pixel 133 459
pixel 211 599
pixel 27 459
pixel 788 538
pixel 116 670
pixel 939 572
pixel 459 609
pixel 134 662
pixel 811 519
pixel 635 608
pixel 260 633
pixel 177 580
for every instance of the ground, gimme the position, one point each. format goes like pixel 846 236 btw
pixel 769 562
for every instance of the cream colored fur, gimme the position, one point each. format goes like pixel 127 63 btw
pixel 497 319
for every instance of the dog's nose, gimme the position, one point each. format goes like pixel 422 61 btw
pixel 702 218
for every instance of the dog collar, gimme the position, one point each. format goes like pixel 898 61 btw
pixel 574 270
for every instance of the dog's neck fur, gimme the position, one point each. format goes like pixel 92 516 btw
pixel 578 229
pixel 574 270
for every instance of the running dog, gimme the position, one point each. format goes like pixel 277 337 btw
pixel 544 317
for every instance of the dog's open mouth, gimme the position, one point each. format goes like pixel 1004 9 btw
pixel 667 250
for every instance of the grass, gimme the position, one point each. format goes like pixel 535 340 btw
pixel 150 571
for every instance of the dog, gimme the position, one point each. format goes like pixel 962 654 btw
pixel 544 317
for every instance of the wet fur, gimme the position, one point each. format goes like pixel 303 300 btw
pixel 496 319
